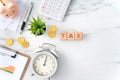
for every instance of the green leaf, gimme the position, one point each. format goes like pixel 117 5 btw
pixel 36 33
pixel 29 29
pixel 34 19
pixel 43 26
pixel 42 31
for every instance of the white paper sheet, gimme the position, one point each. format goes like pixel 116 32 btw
pixel 6 52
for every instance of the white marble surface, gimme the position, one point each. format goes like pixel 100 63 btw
pixel 97 56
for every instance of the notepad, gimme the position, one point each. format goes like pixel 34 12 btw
pixel 13 68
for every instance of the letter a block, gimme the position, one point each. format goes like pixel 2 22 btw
pixel 70 35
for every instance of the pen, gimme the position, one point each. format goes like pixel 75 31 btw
pixel 26 17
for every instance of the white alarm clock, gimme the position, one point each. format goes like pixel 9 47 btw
pixel 44 62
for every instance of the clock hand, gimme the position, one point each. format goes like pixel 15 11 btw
pixel 45 61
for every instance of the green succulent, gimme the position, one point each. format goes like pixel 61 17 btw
pixel 38 26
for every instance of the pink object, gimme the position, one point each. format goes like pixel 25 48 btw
pixel 70 35
pixel 63 36
pixel 8 8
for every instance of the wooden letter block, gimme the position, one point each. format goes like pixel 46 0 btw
pixel 70 36
pixel 78 35
pixel 63 36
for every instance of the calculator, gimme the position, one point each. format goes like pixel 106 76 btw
pixel 54 9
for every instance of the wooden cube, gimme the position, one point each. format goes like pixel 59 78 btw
pixel 70 35
pixel 63 36
pixel 78 35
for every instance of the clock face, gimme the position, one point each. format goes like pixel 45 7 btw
pixel 44 64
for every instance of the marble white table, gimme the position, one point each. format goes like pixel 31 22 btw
pixel 97 56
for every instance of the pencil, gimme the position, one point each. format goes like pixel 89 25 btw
pixel 2 2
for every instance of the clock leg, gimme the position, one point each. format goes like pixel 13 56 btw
pixel 49 78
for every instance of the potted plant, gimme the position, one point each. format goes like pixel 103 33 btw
pixel 38 26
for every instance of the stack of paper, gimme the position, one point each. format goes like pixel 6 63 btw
pixel 12 24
